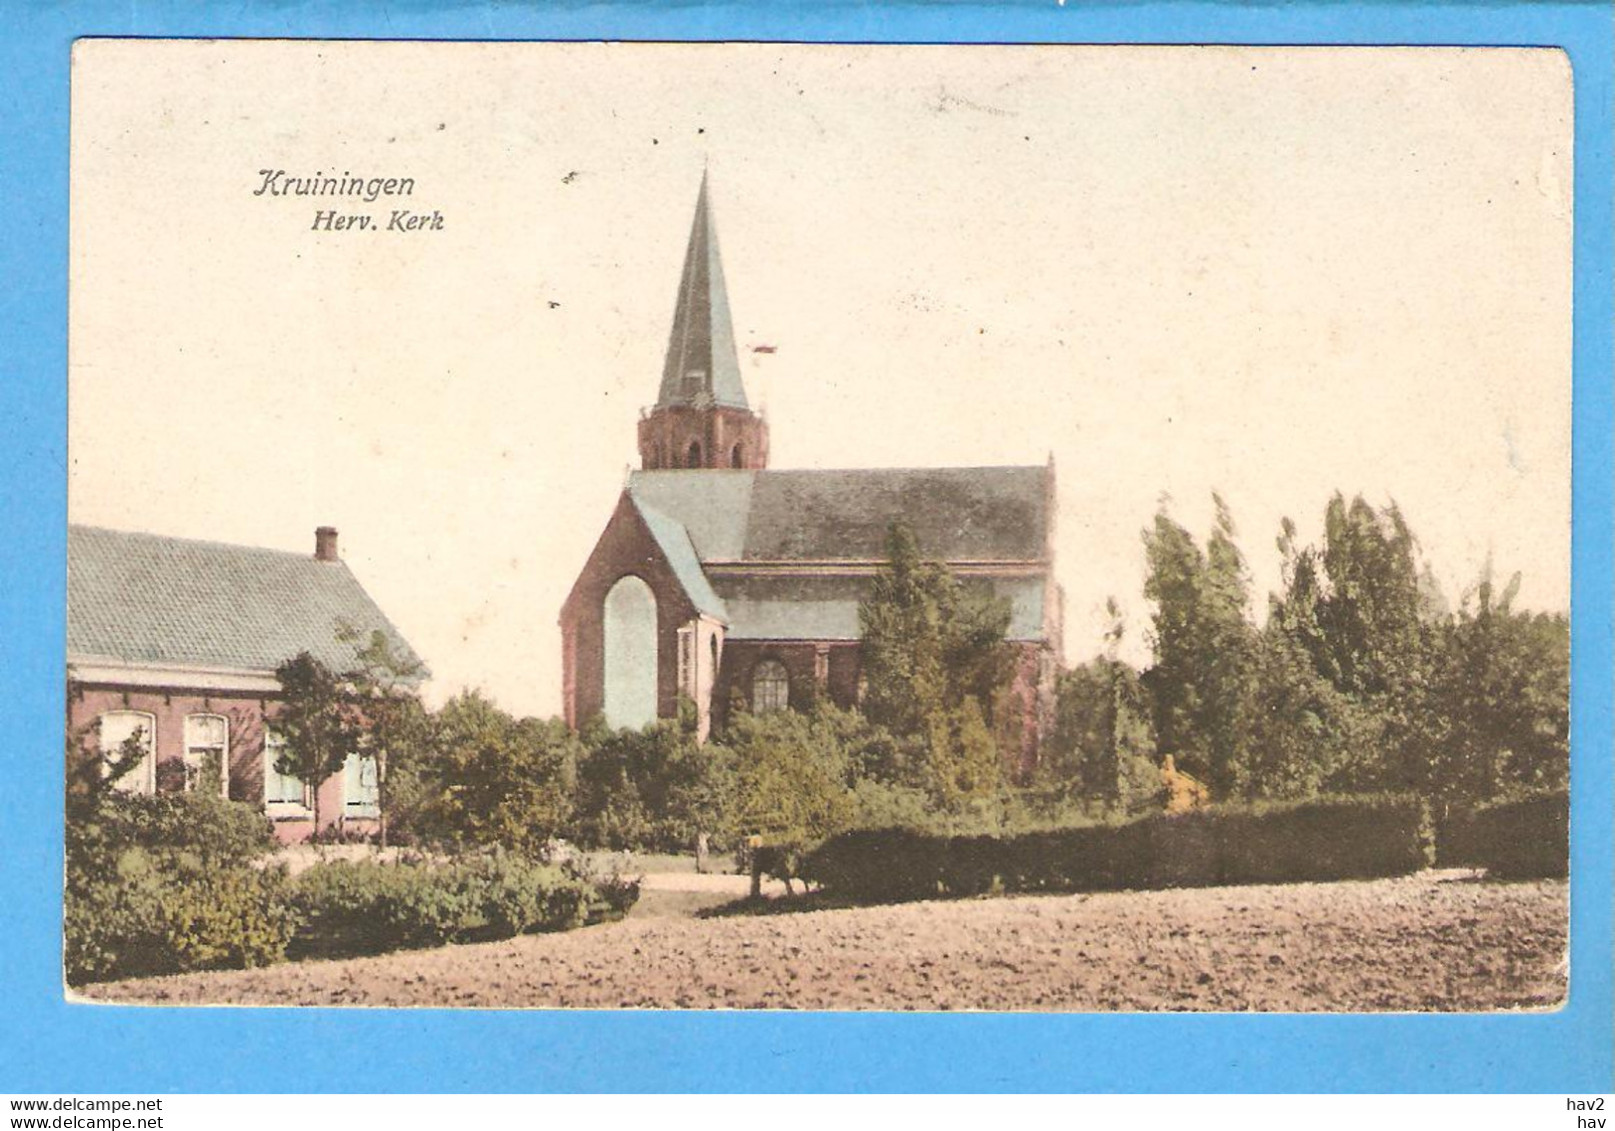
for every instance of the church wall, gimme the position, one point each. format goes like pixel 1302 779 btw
pixel 626 547
pixel 801 660
pixel 1031 687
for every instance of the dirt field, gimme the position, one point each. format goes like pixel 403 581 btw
pixel 1437 941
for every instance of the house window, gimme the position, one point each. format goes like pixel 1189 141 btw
pixel 207 754
pixel 285 795
pixel 119 727
pixel 361 787
pixel 770 687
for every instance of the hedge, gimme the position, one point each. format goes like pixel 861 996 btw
pixel 1527 838
pixel 167 884
pixel 147 917
pixel 1335 838
pixel 368 908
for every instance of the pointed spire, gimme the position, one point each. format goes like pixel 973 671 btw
pixel 702 368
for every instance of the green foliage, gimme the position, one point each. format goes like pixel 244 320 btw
pixel 166 884
pixel 930 641
pixel 963 761
pixel 1203 646
pixel 319 721
pixel 202 829
pixel 1495 719
pixel 792 775
pixel 1102 747
pixel 368 908
pixel 144 917
pixel 396 725
pixel 654 789
pixel 92 772
pixel 1523 838
pixel 1326 839
pixel 1361 679
pixel 474 777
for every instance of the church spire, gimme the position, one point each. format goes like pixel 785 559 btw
pixel 701 367
pixel 701 420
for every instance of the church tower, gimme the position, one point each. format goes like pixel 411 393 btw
pixel 701 418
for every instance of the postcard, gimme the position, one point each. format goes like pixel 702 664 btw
pixel 825 527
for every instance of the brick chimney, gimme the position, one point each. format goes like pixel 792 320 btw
pixel 325 544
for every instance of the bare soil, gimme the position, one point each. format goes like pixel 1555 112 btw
pixel 1435 941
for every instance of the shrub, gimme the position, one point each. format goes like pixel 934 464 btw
pixel 202 827
pixel 1329 839
pixel 879 864
pixel 144 916
pixel 1522 839
pixel 367 908
pixel 164 884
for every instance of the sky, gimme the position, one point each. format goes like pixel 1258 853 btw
pixel 1270 272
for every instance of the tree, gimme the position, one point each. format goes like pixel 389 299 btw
pixel 1103 745
pixel 1496 717
pixel 1370 611
pixel 654 787
pixel 319 723
pixel 793 777
pixel 495 780
pixel 1201 681
pixel 930 645
pixel 394 718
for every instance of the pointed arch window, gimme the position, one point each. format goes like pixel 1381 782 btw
pixel 770 687
pixel 630 654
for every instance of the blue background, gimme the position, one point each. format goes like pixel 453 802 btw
pixel 47 1045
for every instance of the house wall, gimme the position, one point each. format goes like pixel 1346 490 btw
pixel 626 547
pixel 246 712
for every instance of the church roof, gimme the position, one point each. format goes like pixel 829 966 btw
pixel 957 513
pixel 674 541
pixel 731 519
pixel 701 367
pixel 146 599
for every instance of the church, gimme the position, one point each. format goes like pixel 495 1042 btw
pixel 722 580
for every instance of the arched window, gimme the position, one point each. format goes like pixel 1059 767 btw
pixel 140 729
pixel 630 654
pixel 693 456
pixel 207 754
pixel 734 457
pixel 770 687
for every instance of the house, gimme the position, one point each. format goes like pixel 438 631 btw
pixel 178 641
pixel 718 578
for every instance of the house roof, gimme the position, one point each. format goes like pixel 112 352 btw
pixel 956 513
pixel 146 599
pixel 701 366
pixel 762 519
